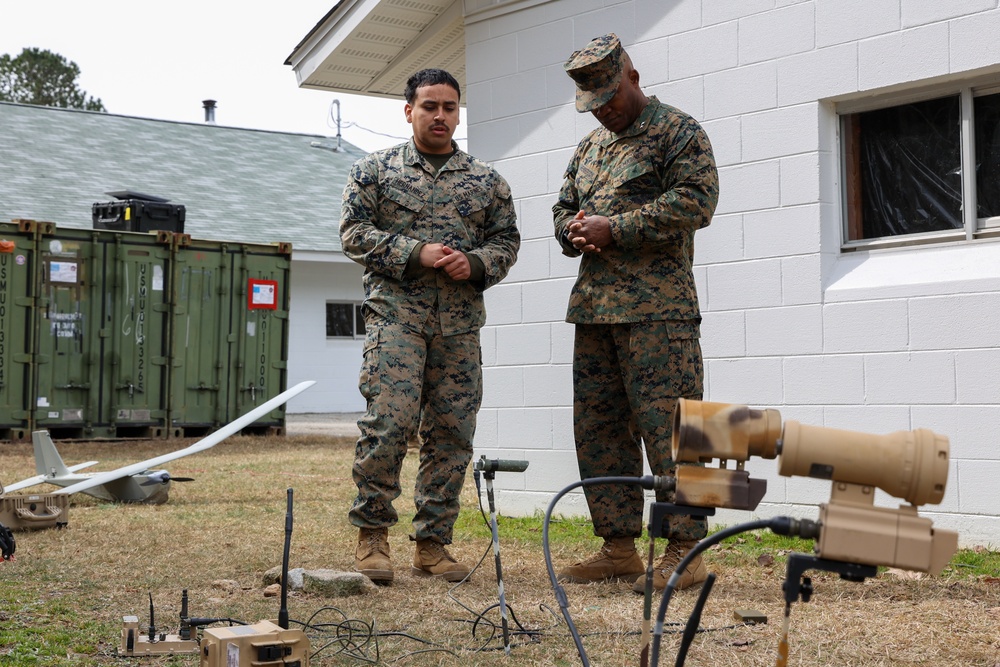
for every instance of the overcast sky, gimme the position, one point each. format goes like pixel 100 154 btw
pixel 160 60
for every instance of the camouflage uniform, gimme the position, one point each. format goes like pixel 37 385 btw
pixel 422 360
pixel 634 303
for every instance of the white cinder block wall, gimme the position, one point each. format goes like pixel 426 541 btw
pixel 871 341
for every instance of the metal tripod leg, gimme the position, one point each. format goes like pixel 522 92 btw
pixel 496 557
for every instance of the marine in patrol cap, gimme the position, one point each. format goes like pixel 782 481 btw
pixel 597 71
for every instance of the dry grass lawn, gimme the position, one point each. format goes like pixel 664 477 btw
pixel 62 600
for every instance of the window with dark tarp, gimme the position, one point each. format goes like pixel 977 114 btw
pixel 903 169
pixel 907 171
pixel 987 111
pixel 344 320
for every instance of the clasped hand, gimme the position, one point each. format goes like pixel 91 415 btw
pixel 452 262
pixel 589 233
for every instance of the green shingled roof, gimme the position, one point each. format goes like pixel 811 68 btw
pixel 236 184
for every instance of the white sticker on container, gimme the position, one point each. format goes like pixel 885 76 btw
pixel 63 272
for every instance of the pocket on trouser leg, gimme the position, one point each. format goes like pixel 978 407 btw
pixel 370 382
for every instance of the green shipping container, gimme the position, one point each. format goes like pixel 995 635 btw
pixel 102 335
pixel 200 294
pixel 135 321
pixel 18 270
pixel 107 334
pixel 229 332
pixel 66 336
pixel 261 278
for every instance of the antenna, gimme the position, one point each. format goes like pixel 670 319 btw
pixel 325 144
pixel 337 102
pixel 283 612
pixel 152 624
pixel 265 642
pixel 185 625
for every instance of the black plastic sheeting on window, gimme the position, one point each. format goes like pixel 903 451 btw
pixel 911 168
pixel 339 319
pixel 987 111
pixel 344 320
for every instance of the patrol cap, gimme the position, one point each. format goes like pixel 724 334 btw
pixel 597 71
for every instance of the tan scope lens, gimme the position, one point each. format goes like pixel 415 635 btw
pixel 705 431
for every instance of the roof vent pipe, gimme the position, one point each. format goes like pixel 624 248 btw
pixel 209 106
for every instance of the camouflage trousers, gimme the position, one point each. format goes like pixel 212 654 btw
pixel 626 382
pixel 416 382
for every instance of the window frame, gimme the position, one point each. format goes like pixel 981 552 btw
pixel 992 223
pixel 357 320
pixel 973 228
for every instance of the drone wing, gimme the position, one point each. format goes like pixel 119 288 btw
pixel 25 483
pixel 207 442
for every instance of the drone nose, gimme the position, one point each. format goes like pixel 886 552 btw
pixel 163 477
pixel 160 477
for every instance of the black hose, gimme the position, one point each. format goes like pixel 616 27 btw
pixel 694 620
pixel 646 482
pixel 704 544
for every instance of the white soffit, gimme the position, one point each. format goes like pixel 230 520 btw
pixel 371 47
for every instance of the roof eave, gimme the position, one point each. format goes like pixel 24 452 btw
pixel 370 47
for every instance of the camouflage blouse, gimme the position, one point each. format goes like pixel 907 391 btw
pixel 657 184
pixel 393 202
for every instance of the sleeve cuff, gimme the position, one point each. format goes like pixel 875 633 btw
pixel 477 268
pixel 413 261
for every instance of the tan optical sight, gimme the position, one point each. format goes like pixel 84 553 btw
pixel 706 431
pixel 911 465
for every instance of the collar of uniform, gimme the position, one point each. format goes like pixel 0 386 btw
pixel 411 156
pixel 638 126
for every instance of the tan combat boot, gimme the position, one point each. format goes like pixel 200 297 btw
pixel 664 567
pixel 371 557
pixel 431 559
pixel 617 560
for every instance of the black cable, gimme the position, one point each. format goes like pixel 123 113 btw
pixel 359 639
pixel 638 633
pixel 534 636
pixel 200 622
pixel 354 637
pixel 480 617
pixel 694 620
pixel 675 576
pixel 646 482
